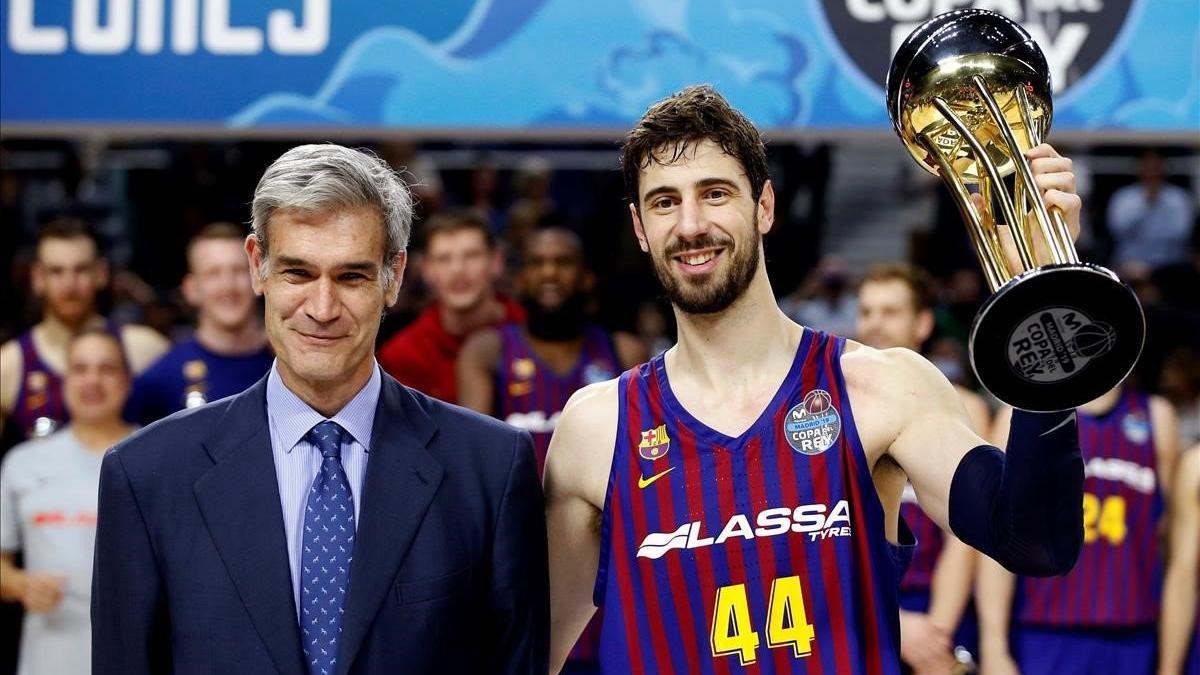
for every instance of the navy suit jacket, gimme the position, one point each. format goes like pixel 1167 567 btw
pixel 449 573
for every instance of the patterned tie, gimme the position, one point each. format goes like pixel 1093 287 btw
pixel 328 542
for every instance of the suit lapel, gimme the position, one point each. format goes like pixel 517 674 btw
pixel 400 482
pixel 239 501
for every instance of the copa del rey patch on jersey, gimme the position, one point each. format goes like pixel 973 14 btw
pixel 813 425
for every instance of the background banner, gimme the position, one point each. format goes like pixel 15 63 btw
pixel 537 65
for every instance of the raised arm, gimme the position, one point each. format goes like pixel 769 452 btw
pixel 1183 566
pixel 476 370
pixel 576 480
pixel 994 501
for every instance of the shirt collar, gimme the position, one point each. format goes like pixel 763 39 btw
pixel 293 418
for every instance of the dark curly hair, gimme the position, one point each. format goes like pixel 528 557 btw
pixel 675 123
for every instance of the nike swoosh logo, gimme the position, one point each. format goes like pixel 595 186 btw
pixel 1066 420
pixel 644 482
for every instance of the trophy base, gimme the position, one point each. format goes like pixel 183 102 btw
pixel 1056 337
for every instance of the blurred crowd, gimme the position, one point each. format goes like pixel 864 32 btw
pixel 128 299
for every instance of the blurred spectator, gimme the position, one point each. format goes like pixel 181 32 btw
pixel 48 490
pixel 825 301
pixel 67 275
pixel 533 206
pixel 228 352
pixel 524 374
pixel 1151 220
pixel 483 197
pixel 422 175
pixel 460 265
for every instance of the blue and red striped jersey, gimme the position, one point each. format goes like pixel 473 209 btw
pixel 530 395
pixel 763 553
pixel 1117 580
pixel 39 407
pixel 929 543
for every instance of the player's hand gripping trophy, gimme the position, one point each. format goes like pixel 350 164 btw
pixel 969 93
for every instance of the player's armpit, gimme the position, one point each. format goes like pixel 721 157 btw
pixel 575 483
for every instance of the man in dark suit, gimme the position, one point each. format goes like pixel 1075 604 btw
pixel 328 520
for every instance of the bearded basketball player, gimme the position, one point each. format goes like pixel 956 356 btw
pixel 732 504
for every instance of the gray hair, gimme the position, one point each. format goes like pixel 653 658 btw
pixel 316 178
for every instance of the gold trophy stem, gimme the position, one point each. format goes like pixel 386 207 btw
pixel 1024 252
pixel 986 247
pixel 1058 234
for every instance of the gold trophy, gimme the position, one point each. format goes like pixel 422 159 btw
pixel 969 93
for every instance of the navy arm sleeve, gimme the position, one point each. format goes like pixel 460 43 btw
pixel 1024 508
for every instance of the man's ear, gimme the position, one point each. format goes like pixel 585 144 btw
pixel 766 208
pixel 924 325
pixel 399 263
pixel 254 255
pixel 190 292
pixel 639 230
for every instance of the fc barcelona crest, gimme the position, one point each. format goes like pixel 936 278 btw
pixel 655 443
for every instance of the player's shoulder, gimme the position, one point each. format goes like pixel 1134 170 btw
pixel 897 378
pixel 11 349
pixel 139 334
pixel 895 367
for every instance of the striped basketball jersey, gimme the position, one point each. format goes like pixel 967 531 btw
pixel 1117 580
pixel 39 408
pixel 763 553
pixel 530 395
pixel 929 543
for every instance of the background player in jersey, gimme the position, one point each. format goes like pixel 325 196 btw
pixel 524 373
pixel 67 274
pixel 48 492
pixel 461 265
pixel 1179 625
pixel 894 311
pixel 228 352
pixel 722 502
pixel 1100 618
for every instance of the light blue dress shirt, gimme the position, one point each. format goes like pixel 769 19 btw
pixel 297 461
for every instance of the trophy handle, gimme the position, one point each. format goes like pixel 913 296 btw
pixel 984 239
pixel 1024 248
pixel 1054 225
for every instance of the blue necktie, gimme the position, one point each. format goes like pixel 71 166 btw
pixel 328 543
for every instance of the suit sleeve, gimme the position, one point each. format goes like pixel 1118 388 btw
pixel 520 593
pixel 130 627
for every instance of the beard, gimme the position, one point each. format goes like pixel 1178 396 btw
pixel 713 294
pixel 557 324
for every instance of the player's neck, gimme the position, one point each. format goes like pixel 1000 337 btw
pixel 100 436
pixel 55 333
pixel 235 341
pixel 750 335
pixel 462 322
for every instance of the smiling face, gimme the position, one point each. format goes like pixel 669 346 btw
pixel 218 283
pixel 96 382
pixel 323 292
pixel 697 218
pixel 552 271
